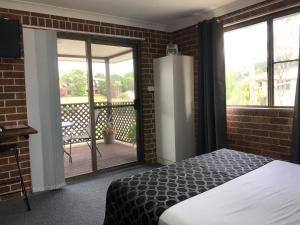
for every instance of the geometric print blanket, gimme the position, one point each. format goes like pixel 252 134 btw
pixel 142 198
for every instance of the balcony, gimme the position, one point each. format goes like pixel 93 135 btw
pixel 122 151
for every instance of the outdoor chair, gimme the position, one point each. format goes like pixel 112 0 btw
pixel 84 135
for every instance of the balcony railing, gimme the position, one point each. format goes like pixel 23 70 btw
pixel 122 115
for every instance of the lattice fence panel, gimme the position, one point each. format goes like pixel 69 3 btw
pixel 102 118
pixel 123 116
pixel 78 115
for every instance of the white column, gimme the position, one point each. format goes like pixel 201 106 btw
pixel 108 83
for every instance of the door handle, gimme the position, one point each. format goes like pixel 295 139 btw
pixel 136 104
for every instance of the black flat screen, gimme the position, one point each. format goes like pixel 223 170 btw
pixel 9 38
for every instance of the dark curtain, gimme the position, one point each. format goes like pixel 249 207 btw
pixel 295 148
pixel 212 94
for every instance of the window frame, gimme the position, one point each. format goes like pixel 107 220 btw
pixel 270 52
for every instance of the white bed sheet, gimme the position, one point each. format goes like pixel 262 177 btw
pixel 269 195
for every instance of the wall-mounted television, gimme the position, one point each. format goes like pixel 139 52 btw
pixel 10 38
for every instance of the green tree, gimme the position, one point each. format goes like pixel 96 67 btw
pixel 131 135
pixel 101 83
pixel 128 82
pixel 116 83
pixel 76 82
pixel 261 97
pixel 261 67
pixel 237 90
pixel 124 96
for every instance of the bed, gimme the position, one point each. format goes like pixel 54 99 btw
pixel 142 199
pixel 269 195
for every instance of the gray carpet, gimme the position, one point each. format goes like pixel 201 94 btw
pixel 81 202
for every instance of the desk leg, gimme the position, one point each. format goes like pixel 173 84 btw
pixel 22 181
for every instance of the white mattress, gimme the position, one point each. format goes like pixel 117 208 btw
pixel 269 195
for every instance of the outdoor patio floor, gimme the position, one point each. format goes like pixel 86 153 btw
pixel 112 155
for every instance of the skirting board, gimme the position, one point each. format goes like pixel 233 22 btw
pixel 48 188
pixel 164 161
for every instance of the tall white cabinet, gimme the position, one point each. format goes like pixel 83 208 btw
pixel 174 107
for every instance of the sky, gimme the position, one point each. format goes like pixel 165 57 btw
pixel 246 45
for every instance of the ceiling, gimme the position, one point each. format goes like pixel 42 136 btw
pixel 75 50
pixel 160 14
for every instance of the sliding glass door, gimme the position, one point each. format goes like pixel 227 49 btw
pixel 74 100
pixel 110 113
pixel 114 95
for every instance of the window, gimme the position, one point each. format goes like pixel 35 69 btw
pixel 262 62
pixel 246 65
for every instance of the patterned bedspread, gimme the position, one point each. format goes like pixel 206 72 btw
pixel 141 199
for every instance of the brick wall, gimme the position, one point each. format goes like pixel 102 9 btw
pixel 260 131
pixel 260 9
pixel 187 42
pixel 12 85
pixel 260 139
pixel 12 112
pixel 13 103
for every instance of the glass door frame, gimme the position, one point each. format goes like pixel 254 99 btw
pixel 114 41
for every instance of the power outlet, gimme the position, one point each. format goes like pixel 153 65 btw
pixel 150 88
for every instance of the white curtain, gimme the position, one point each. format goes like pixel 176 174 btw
pixel 43 108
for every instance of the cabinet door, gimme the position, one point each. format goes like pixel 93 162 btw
pixel 164 109
pixel 184 104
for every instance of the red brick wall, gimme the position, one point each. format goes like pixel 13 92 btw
pixel 12 87
pixel 12 112
pixel 260 131
pixel 187 42
pixel 263 8
pixel 260 138
pixel 12 95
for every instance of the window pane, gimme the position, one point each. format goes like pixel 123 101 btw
pixel 285 78
pixel 246 65
pixel 72 65
pixel 286 37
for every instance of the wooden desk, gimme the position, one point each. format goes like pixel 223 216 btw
pixel 13 148
pixel 17 132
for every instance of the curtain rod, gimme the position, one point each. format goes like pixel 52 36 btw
pixel 256 16
pixel 83 32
